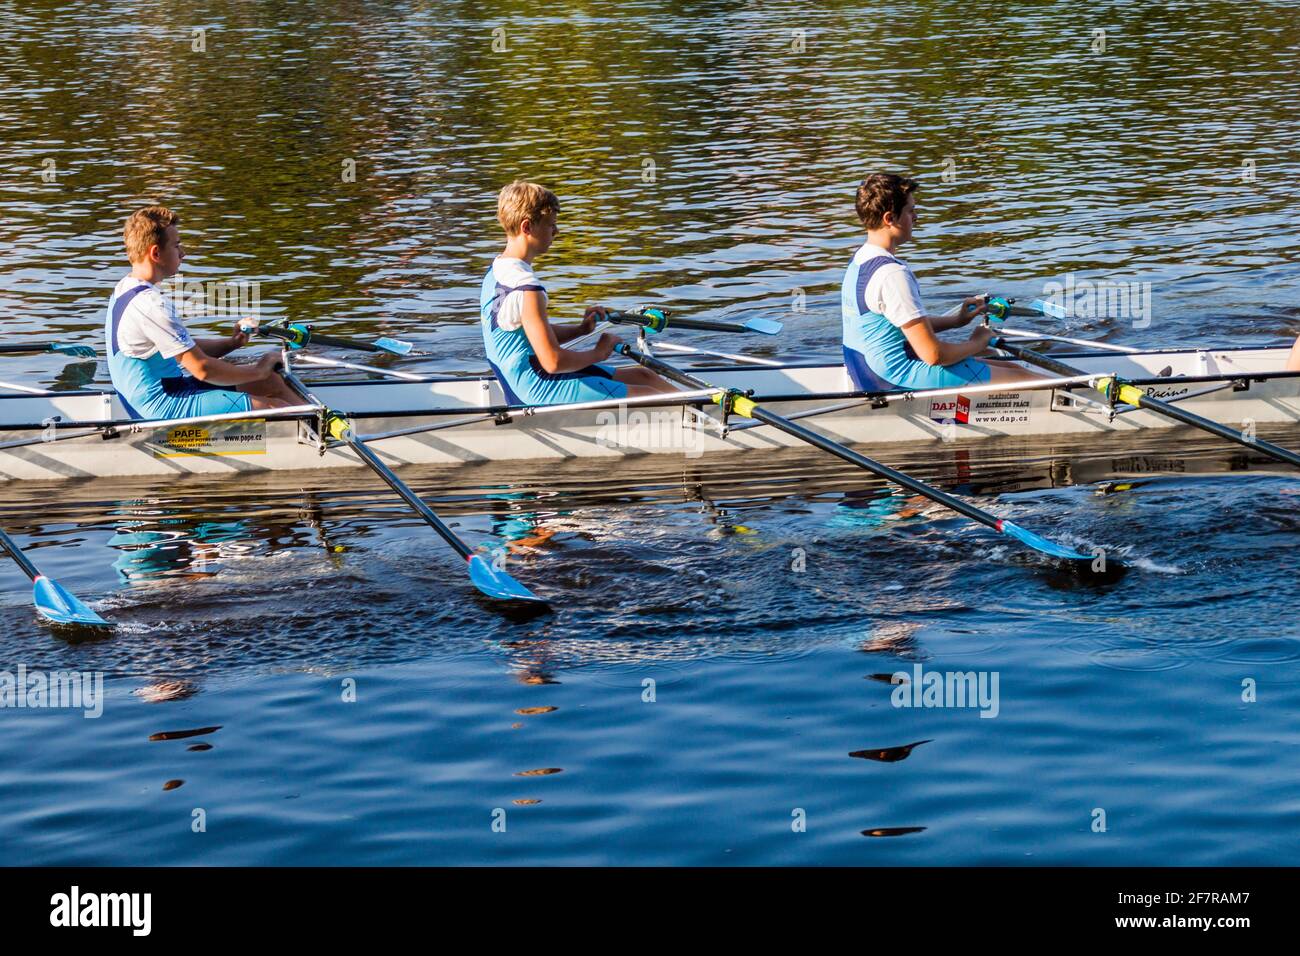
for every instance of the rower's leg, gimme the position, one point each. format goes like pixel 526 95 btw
pixel 1000 372
pixel 641 381
pixel 1293 360
pixel 264 402
pixel 271 387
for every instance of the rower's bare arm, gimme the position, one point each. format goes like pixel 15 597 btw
pixel 972 308
pixel 554 358
pixel 575 330
pixel 934 351
pixel 216 348
pixel 219 348
pixel 566 332
pixel 217 371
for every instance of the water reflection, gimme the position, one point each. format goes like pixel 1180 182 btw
pixel 704 157
pixel 661 561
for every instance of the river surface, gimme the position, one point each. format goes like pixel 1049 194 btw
pixel 302 675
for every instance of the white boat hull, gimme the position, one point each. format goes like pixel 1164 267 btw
pixel 378 407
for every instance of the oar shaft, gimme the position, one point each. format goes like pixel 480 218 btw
pixel 77 351
pixel 704 325
pixel 1133 395
pixel 410 497
pixel 663 368
pixel 337 343
pixel 315 338
pixel 1223 431
pixel 825 444
pixel 881 470
pixel 1036 358
pixel 383 471
pixel 19 558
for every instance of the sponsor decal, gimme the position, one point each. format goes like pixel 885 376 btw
pixel 1164 394
pixel 944 409
pixel 998 408
pixel 213 440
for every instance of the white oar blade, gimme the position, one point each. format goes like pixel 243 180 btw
pixel 497 584
pixel 395 346
pixel 766 326
pixel 58 606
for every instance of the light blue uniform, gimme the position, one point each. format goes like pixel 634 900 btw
pixel 511 355
pixel 876 352
pixel 144 337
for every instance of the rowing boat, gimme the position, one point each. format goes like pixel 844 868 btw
pixel 445 419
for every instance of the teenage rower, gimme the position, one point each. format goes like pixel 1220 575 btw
pixel 889 340
pixel 525 350
pixel 159 370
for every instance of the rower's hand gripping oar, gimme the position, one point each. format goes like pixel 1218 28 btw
pixel 1115 390
pixel 297 335
pixel 491 581
pixel 53 602
pixel 75 351
pixel 999 308
pixel 657 320
pixel 741 404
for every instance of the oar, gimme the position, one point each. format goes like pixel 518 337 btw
pixel 732 400
pixel 76 351
pixel 656 320
pixel 493 582
pixel 1115 389
pixel 53 602
pixel 999 307
pixel 299 335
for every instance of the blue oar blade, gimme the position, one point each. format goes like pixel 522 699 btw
pixel 497 584
pixel 76 351
pixel 766 326
pixel 1039 543
pixel 58 606
pixel 396 346
pixel 1048 308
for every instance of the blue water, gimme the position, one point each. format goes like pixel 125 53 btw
pixel 1125 697
pixel 767 599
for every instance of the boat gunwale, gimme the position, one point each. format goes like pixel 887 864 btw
pixel 518 412
pixel 488 376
